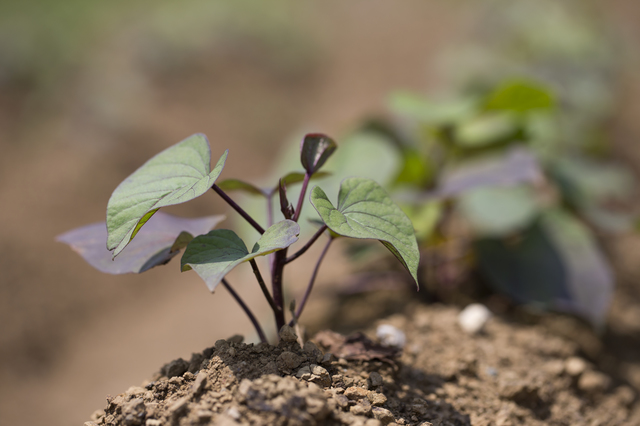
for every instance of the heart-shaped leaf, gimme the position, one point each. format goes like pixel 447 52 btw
pixel 366 211
pixel 156 244
pixel 314 151
pixel 176 175
pixel 215 254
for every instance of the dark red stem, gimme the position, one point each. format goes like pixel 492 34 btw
pixel 246 310
pixel 237 208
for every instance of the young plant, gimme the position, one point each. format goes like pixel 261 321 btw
pixel 138 237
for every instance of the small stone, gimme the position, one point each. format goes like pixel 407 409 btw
pixel 625 395
pixel 375 378
pixel 236 338
pixel 221 344
pixel 153 422
pixel 178 406
pixel 304 371
pixel 175 368
pixel 391 336
pixel 200 383
pixel 376 399
pixel 473 318
pixel 327 358
pixel 287 334
pixel 593 381
pixel 383 415
pixel 288 360
pixel 310 348
pixel 575 366
pixel 233 413
pixel 355 393
pixel 320 376
pixel 372 422
pixel 341 400
pixel 361 409
pixel 231 352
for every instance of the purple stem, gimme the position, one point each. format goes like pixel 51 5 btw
pixel 237 208
pixel 303 191
pixel 246 310
pixel 306 246
pixel 263 286
pixel 312 280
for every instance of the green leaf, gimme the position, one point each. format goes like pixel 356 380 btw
pixel 239 185
pixel 520 96
pixel 485 129
pixel 366 211
pixel 176 175
pixel 443 112
pixel 215 254
pixel 499 210
pixel 314 151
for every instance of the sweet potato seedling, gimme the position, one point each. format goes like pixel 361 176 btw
pixel 137 237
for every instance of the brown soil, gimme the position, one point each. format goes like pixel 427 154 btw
pixel 509 374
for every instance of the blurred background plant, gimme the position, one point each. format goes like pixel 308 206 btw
pixel 507 174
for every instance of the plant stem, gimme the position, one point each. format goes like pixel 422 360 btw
pixel 237 208
pixel 263 286
pixel 246 309
pixel 313 279
pixel 276 286
pixel 303 191
pixel 307 245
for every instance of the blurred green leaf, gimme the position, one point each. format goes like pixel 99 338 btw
pixel 444 112
pixel 520 96
pixel 239 185
pixel 499 210
pixel 425 217
pixel 485 129
pixel 555 264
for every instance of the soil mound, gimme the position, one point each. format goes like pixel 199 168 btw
pixel 509 374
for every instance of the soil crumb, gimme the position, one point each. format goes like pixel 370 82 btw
pixel 506 375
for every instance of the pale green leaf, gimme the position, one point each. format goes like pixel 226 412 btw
pixel 365 210
pixel 176 175
pixel 215 254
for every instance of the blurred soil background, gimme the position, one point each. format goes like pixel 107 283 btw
pixel 91 90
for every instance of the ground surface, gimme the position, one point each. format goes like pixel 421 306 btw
pixel 509 374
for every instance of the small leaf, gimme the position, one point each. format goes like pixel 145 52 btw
pixel 215 254
pixel 154 245
pixel 239 185
pixel 297 177
pixel 176 175
pixel 366 211
pixel 520 96
pixel 285 206
pixel 314 151
pixel 486 129
pixel 444 112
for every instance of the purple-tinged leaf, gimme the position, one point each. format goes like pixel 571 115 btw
pixel 517 166
pixel 156 243
pixel 314 151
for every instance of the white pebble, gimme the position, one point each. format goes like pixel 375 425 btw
pixel 473 318
pixel 391 336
